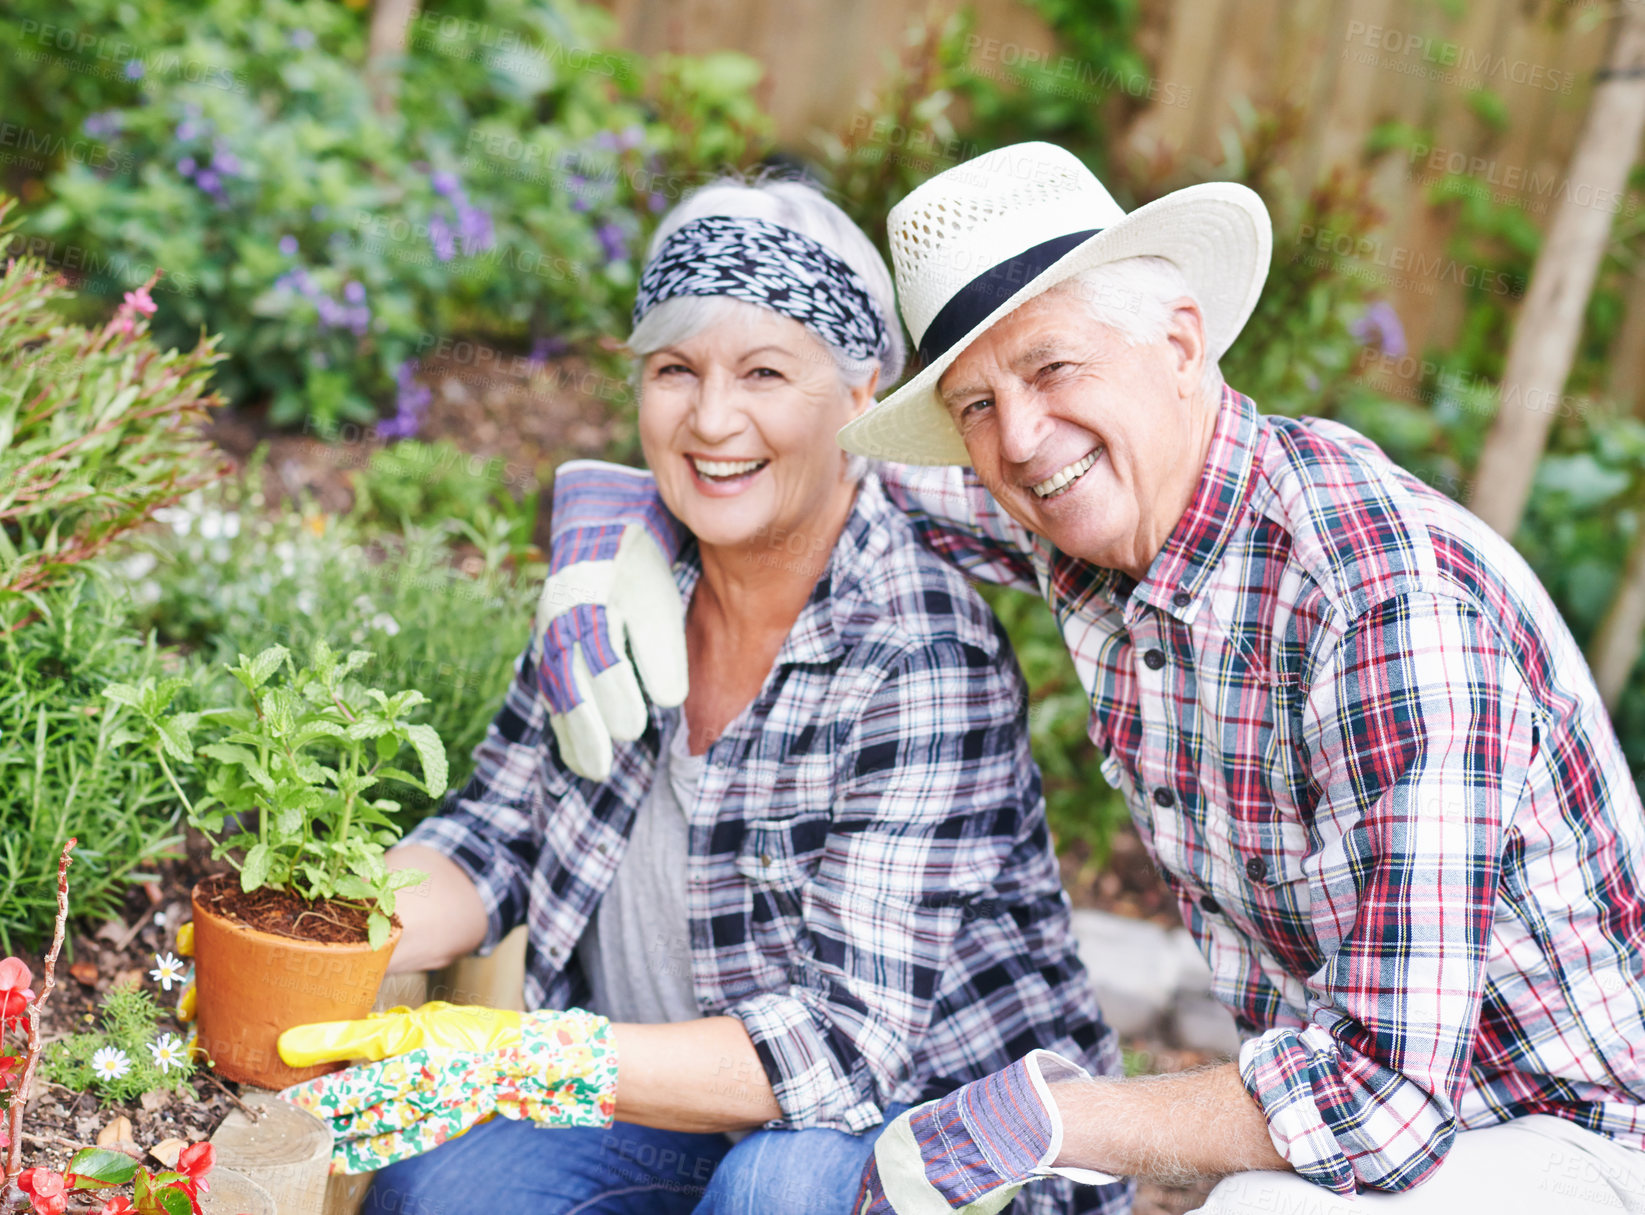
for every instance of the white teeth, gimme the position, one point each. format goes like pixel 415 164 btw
pixel 1067 476
pixel 726 468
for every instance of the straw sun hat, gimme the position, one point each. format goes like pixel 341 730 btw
pixel 985 237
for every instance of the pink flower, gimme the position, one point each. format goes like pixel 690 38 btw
pixel 15 992
pixel 140 301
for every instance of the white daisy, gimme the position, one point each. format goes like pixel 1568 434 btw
pixel 169 970
pixel 110 1063
pixel 169 1052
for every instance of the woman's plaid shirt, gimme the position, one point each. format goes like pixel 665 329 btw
pixel 871 884
pixel 1367 755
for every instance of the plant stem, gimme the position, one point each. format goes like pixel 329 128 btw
pixel 31 1056
pixel 166 768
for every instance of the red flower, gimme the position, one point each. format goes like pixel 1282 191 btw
pixel 44 1188
pixel 15 993
pixel 194 1162
pixel 118 1205
pixel 7 1063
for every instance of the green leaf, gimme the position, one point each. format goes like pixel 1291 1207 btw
pixel 174 1200
pixel 95 1167
pixel 254 871
pixel 174 740
pixel 266 663
pixel 123 694
pixel 351 887
pixel 388 746
pixel 377 929
pixel 431 751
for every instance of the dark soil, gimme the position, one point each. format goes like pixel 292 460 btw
pixel 284 914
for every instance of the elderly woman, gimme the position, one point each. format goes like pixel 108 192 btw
pixel 822 889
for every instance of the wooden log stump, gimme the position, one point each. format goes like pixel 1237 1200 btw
pixel 346 1191
pixel 287 1151
pixel 233 1193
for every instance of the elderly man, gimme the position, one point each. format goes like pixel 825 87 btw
pixel 1352 730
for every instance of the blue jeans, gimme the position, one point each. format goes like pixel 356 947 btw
pixel 504 1167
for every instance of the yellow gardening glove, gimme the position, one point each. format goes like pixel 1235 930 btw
pixel 440 1070
pixel 436 1024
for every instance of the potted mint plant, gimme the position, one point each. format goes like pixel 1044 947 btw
pixel 304 932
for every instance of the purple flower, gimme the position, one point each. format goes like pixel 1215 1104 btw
pixel 225 162
pixel 208 181
pixel 440 236
pixel 657 203
pixel 359 320
pixel 1379 326
pixel 301 39
pixel 613 240
pixel 134 69
pixel 446 184
pixel 474 226
pixel 606 140
pixel 579 203
pixel 545 348
pixel 332 314
pixel 354 292
pixel 632 136
pixel 411 400
pixel 102 125
pixel 186 130
pixel 186 166
pixel 288 245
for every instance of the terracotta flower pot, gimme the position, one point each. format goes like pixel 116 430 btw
pixel 252 986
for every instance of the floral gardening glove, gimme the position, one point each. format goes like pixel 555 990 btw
pixel 447 1069
pixel 972 1150
pixel 610 592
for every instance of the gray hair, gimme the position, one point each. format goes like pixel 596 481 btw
pixel 803 208
pixel 1133 297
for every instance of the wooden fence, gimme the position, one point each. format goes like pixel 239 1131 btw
pixel 1349 65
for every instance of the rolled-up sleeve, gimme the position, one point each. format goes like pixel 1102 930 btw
pixel 935 782
pixel 491 827
pixel 1421 732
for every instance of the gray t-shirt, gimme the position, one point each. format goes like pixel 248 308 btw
pixel 636 950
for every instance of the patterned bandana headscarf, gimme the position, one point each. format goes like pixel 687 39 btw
pixel 772 266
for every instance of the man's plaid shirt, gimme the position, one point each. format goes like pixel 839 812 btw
pixel 871 884
pixel 1366 753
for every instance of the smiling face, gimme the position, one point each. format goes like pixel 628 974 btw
pixel 1093 444
pixel 738 423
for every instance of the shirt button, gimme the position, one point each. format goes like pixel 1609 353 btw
pixel 1154 659
pixel 1163 797
pixel 1210 904
pixel 765 859
pixel 1181 599
pixel 1256 868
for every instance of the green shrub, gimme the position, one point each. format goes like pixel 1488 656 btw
pixel 411 481
pixel 505 192
pixel 63 776
pixel 98 429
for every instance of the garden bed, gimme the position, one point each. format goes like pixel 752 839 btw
pixel 122 950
